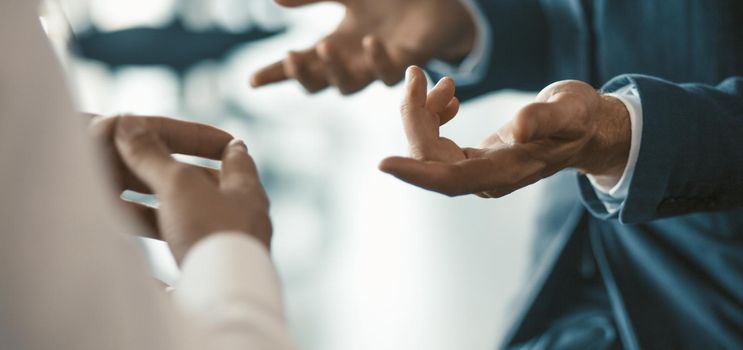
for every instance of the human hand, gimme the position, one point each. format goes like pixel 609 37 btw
pixel 179 136
pixel 376 39
pixel 193 204
pixel 569 126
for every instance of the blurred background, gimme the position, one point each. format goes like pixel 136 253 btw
pixel 367 262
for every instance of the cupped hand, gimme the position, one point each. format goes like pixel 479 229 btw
pixel 570 125
pixel 376 40
pixel 194 204
pixel 181 137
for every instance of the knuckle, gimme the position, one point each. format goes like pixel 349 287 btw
pixel 346 90
pixel 140 144
pixel 325 48
pixel 533 110
pixel 293 58
pixel 391 81
pixel 406 108
pixel 125 118
pixel 581 108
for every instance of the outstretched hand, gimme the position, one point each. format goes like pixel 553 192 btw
pixel 569 125
pixel 376 40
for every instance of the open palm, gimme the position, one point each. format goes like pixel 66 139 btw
pixel 561 129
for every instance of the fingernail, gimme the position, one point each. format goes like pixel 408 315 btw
pixel 409 75
pixel 442 81
pixel 237 143
pixel 129 127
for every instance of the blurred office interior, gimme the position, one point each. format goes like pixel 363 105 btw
pixel 367 262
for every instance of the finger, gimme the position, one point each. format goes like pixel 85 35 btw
pixel 449 112
pixel 146 215
pixel 415 90
pixel 182 137
pixel 239 172
pixel 306 68
pixel 381 62
pixel 440 96
pixel 137 185
pixel 449 179
pixel 143 152
pixel 338 71
pixel 189 138
pixel 420 125
pixel 273 73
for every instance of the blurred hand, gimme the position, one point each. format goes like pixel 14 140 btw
pixel 376 39
pixel 569 126
pixel 179 137
pixel 194 201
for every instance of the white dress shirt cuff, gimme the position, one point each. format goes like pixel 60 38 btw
pixel 229 281
pixel 613 198
pixel 472 69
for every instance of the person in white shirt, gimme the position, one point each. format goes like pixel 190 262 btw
pixel 72 279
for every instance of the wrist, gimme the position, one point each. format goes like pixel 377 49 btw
pixel 606 153
pixel 180 247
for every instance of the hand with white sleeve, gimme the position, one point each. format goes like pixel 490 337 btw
pixel 193 202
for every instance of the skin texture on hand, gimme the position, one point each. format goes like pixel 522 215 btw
pixel 376 40
pixel 179 136
pixel 193 202
pixel 568 126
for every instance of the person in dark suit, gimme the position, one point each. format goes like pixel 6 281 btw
pixel 653 258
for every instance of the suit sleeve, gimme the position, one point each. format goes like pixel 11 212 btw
pixel 691 151
pixel 519 48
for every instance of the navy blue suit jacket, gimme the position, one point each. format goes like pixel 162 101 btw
pixel 671 263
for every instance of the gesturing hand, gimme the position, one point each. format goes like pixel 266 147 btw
pixel 569 125
pixel 193 203
pixel 376 39
pixel 179 136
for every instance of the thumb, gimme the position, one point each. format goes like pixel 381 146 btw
pixel 238 168
pixel 540 120
pixel 143 152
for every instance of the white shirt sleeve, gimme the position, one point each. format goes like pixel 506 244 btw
pixel 613 197
pixel 72 277
pixel 473 68
pixel 228 283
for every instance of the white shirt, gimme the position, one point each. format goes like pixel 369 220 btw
pixel 473 68
pixel 71 277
